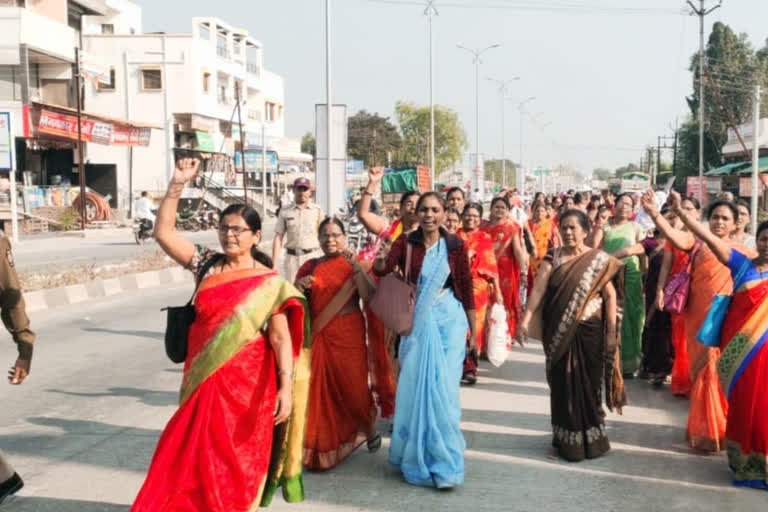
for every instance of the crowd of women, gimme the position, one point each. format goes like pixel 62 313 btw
pixel 283 376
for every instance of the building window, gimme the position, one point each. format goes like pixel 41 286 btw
pixel 206 82
pixel 107 29
pixel 107 87
pixel 205 32
pixel 151 79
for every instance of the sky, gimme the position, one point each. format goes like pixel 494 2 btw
pixel 607 81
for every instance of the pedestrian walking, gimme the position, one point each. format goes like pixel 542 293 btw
pixel 237 435
pixel 14 315
pixel 578 292
pixel 485 281
pixel 342 411
pixel 709 277
pixel 427 443
pixel 452 220
pixel 296 230
pixel 456 198
pixel 543 234
pixel 743 364
pixel 621 233
pixel 511 258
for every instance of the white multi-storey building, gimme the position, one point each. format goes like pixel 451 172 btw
pixel 186 83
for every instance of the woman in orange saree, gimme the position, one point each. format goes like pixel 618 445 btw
pixel 543 230
pixel 709 277
pixel 238 432
pixel 485 280
pixel 743 365
pixel 341 413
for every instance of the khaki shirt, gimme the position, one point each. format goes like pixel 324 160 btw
pixel 299 226
pixel 12 307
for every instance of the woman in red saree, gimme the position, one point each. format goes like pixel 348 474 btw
pixel 743 365
pixel 342 412
pixel 238 432
pixel 510 258
pixel 485 280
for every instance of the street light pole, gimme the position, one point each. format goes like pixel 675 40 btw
pixel 502 91
pixel 328 194
pixel 431 11
pixel 701 12
pixel 476 61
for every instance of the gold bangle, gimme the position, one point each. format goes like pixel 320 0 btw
pixel 287 373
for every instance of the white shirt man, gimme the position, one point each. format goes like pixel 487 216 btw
pixel 142 209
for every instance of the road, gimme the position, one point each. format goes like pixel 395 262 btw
pixel 82 430
pixel 44 251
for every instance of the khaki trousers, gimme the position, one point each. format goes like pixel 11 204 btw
pixel 292 264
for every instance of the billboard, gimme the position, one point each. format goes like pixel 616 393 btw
pixel 253 161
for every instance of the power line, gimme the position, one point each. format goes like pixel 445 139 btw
pixel 552 7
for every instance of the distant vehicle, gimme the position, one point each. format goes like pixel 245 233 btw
pixel 142 230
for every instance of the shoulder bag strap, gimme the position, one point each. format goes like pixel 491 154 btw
pixel 204 268
pixel 408 251
pixel 693 254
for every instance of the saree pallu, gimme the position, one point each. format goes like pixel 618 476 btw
pixel 427 444
pixel 341 411
pixel 543 239
pixel 509 269
pixel 708 409
pixel 221 451
pixel 633 321
pixel 743 370
pixel 580 357
pixel 482 264
pixel 681 371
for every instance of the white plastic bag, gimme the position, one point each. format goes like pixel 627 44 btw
pixel 499 339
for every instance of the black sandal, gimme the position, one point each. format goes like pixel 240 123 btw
pixel 374 443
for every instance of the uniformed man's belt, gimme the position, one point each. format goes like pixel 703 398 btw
pixel 300 252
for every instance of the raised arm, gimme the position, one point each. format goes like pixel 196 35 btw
pixel 679 239
pixel 371 221
pixel 718 246
pixel 176 246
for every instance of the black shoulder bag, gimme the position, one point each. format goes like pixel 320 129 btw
pixel 180 318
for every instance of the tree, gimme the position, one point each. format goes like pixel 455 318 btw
pixel 493 172
pixel 621 171
pixel 602 173
pixel 308 144
pixel 372 138
pixel 450 139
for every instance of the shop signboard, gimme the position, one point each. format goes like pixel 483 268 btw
pixel 205 142
pixel 253 161
pixel 5 141
pixel 745 186
pixel 714 185
pixel 696 187
pixel 62 125
pixel 355 167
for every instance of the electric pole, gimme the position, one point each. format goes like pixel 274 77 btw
pixel 430 12
pixel 702 12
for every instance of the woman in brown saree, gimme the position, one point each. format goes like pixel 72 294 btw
pixel 582 288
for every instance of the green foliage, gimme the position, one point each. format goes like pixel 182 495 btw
pixel 69 220
pixel 493 172
pixel 372 138
pixel 602 173
pixel 621 171
pixel 450 139
pixel 308 144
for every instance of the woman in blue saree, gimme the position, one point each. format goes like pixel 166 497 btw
pixel 427 444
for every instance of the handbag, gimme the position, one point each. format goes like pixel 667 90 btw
pixel 180 318
pixel 395 299
pixel 677 289
pixel 709 333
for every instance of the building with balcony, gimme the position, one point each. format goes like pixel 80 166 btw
pixel 188 83
pixel 39 41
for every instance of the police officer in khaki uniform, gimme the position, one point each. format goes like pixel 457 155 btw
pixel 14 316
pixel 298 224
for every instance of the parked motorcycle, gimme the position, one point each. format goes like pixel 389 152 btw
pixel 142 230
pixel 187 221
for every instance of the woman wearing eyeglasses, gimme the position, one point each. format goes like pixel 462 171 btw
pixel 244 390
pixel 342 412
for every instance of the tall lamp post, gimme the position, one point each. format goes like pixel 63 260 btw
pixel 521 174
pixel 502 94
pixel 476 61
pixel 430 12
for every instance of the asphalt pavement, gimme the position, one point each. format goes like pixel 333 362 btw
pixel 83 428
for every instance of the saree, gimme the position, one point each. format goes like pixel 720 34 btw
pixel 543 239
pixel 658 353
pixel 681 372
pixel 427 445
pixel 743 371
pixel 509 269
pixel 482 263
pixel 341 411
pixel 221 450
pixel 580 357
pixel 617 238
pixel 708 409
